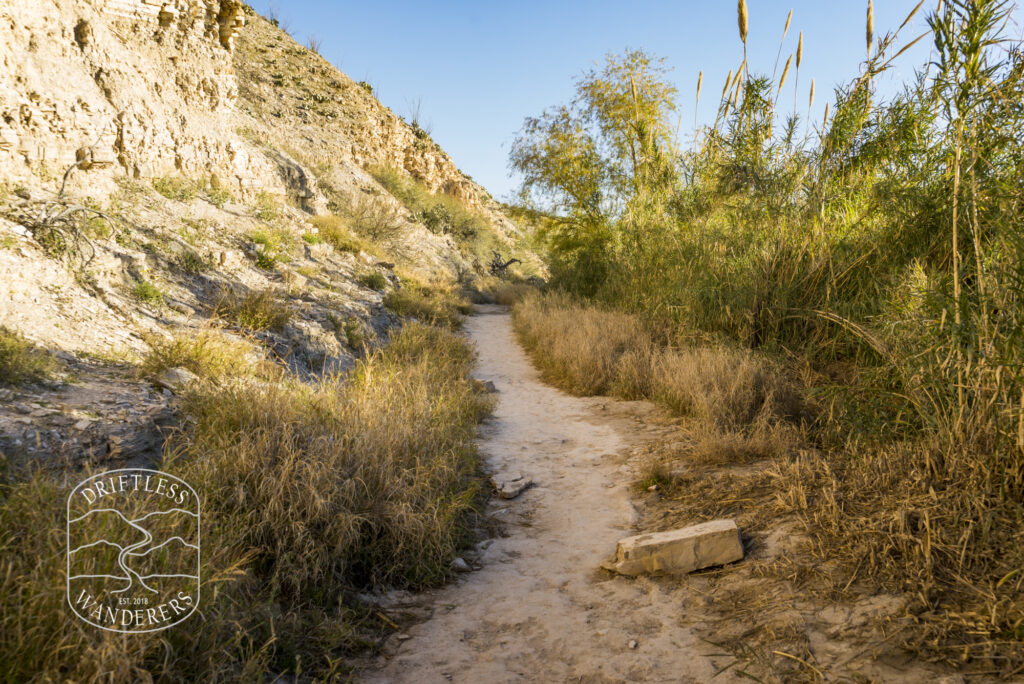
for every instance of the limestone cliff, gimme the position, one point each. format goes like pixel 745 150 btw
pixel 147 88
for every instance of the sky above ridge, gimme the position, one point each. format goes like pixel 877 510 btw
pixel 475 70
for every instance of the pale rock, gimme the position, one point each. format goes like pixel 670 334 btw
pixel 484 386
pixel 678 551
pixel 511 486
pixel 174 379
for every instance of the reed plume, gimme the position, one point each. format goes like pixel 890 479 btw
pixel 742 19
pixel 871 25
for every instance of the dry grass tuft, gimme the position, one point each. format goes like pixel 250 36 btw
pixel 334 231
pixel 437 305
pixel 253 310
pixel 507 294
pixel 21 361
pixel 208 353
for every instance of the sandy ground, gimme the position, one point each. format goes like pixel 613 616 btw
pixel 538 609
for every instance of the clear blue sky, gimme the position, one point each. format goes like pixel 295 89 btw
pixel 480 68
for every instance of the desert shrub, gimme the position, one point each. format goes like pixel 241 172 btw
pixel 147 292
pixel 253 310
pixel 176 188
pixel 373 280
pixel 374 218
pixel 22 361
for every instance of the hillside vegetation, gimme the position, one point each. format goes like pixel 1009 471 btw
pixel 871 260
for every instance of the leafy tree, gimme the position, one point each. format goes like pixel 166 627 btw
pixel 600 163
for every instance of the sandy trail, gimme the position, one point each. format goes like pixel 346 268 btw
pixel 538 610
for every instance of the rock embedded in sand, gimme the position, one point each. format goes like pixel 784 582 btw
pixel 678 551
pixel 511 486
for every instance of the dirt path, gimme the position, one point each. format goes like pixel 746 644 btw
pixel 538 610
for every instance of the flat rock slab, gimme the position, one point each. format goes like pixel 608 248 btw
pixel 511 486
pixel 678 551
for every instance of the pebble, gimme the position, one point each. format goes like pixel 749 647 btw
pixel 633 644
pixel 83 424
pixel 460 565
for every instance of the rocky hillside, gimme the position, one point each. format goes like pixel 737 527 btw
pixel 179 168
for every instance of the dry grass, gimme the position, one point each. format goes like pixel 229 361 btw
pixel 253 310
pixel 208 353
pixel 438 305
pixel 310 493
pixel 334 231
pixel 508 294
pixel 739 407
pixel 577 347
pixel 21 361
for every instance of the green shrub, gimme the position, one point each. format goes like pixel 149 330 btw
pixel 373 280
pixel 276 244
pixel 176 188
pixel 147 292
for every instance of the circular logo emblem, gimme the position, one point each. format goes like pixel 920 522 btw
pixel 133 550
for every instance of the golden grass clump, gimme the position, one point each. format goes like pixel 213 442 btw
pixel 334 231
pixel 438 305
pixel 729 393
pixel 576 347
pixel 507 294
pixel 22 361
pixel 208 353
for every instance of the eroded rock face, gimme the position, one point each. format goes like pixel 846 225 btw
pixel 146 86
